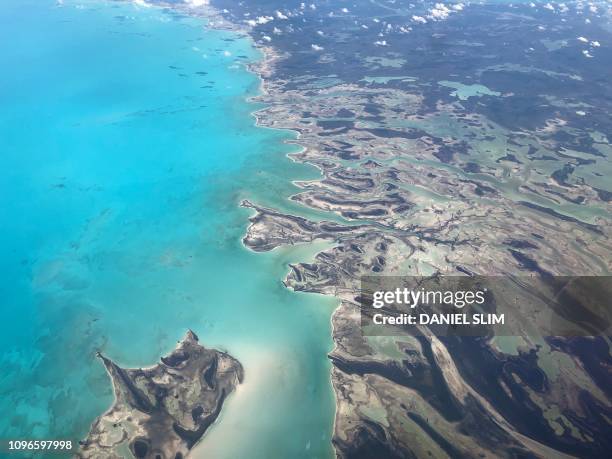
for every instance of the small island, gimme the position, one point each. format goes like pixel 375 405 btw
pixel 162 411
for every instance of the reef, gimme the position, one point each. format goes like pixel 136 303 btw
pixel 162 411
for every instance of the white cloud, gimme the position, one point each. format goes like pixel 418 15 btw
pixel 586 53
pixel 317 47
pixel 267 38
pixel 419 19
pixel 439 12
pixel 381 43
pixel 260 20
pixel 595 44
pixel 582 39
pixel 280 15
pixel 196 3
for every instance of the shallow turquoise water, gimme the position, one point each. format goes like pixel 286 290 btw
pixel 122 171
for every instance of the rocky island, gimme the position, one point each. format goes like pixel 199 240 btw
pixel 160 412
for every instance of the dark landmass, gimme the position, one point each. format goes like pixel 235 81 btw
pixel 162 411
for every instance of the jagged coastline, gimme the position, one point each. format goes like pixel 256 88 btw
pixel 163 410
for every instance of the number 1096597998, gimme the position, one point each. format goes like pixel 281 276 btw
pixel 36 445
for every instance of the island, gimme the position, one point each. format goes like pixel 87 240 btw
pixel 162 411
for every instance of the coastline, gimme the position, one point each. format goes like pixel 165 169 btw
pixel 262 69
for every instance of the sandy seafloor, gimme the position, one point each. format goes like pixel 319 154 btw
pixel 127 144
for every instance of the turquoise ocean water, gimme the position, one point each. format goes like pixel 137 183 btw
pixel 126 145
